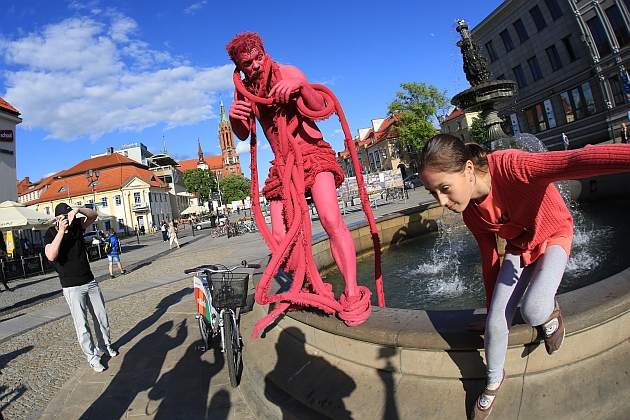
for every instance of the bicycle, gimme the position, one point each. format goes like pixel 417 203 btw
pixel 217 301
pixel 219 230
pixel 395 194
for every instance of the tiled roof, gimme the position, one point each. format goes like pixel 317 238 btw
pixel 100 162
pixel 386 131
pixel 213 162
pixel 456 113
pixel 114 169
pixel 8 107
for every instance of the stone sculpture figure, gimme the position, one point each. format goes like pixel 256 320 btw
pixel 475 65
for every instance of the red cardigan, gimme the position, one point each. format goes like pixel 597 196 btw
pixel 524 183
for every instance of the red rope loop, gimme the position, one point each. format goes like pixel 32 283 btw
pixel 294 252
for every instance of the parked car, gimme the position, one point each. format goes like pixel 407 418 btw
pixel 412 181
pixel 207 222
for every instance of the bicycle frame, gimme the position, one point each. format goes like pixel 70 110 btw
pixel 205 309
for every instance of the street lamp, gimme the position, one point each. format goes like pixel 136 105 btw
pixel 93 175
pixel 67 187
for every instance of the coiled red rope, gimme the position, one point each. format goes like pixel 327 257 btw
pixel 295 252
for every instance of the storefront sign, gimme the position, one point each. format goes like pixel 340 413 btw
pixel 6 135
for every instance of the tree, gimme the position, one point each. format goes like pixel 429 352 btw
pixel 415 111
pixel 200 181
pixel 234 187
pixel 477 131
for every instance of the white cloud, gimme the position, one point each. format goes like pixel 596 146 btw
pixel 84 78
pixel 193 8
pixel 242 147
pixel 336 132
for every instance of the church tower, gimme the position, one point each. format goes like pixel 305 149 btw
pixel 231 163
pixel 201 164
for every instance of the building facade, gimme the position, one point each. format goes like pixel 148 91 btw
pixel 9 119
pixel 459 124
pixel 378 149
pixel 569 60
pixel 125 192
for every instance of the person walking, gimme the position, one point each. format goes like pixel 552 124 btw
pixel 510 193
pixel 113 256
pixel 66 250
pixel 172 235
pixel 624 133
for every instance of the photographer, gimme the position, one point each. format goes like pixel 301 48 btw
pixel 65 248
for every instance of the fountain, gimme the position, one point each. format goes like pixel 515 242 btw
pixel 411 364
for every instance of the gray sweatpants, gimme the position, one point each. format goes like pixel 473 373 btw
pixel 81 299
pixel 537 284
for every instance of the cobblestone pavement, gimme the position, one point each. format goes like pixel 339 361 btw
pixel 38 363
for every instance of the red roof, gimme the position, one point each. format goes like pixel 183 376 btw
pixel 213 162
pixel 7 106
pixel 456 113
pixel 115 171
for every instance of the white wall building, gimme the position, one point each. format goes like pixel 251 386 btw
pixel 9 119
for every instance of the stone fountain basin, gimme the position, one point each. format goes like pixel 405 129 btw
pixel 485 95
pixel 413 364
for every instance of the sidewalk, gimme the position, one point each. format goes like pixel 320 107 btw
pixel 159 373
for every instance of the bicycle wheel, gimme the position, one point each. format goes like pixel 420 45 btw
pixel 204 329
pixel 215 232
pixel 232 347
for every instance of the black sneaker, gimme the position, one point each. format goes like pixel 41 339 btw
pixel 112 276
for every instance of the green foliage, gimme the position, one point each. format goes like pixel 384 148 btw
pixel 234 187
pixel 416 109
pixel 200 181
pixel 477 132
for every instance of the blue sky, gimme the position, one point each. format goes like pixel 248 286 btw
pixel 87 75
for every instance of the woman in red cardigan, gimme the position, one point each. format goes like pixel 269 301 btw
pixel 510 193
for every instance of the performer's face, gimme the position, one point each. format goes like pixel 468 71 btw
pixel 252 63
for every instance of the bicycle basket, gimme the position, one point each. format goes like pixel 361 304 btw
pixel 229 292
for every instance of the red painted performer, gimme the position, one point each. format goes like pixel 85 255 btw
pixel 270 93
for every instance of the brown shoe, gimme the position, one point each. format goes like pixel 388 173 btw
pixel 553 330
pixel 483 406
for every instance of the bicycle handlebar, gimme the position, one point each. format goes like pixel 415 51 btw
pixel 220 269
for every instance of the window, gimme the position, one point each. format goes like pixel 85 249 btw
pixel 136 197
pixel 627 2
pixel 618 26
pixel 507 40
pixel 554 8
pixel 62 189
pixel 539 20
pixel 117 200
pixel 108 226
pixel 520 76
pixel 78 203
pixel 47 210
pixel 617 90
pixel 501 77
pixel 520 30
pixel 121 224
pixel 571 51
pixel 535 68
pixel 554 58
pixel 90 201
pixel 599 36
pixel 491 52
pixel 578 103
pixel 536 118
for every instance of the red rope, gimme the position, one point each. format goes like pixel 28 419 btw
pixel 295 252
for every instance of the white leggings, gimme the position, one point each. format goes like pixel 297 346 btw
pixel 537 284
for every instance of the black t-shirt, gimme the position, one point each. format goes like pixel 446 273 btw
pixel 72 263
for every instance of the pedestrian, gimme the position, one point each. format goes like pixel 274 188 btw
pixel 164 228
pixel 24 243
pixel 113 256
pixel 172 235
pixel 3 257
pixel 65 248
pixel 624 133
pixel 510 193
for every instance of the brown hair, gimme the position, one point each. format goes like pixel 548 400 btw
pixel 447 153
pixel 244 43
pixel 112 231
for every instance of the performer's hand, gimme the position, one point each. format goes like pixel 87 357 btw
pixel 240 110
pixel 72 215
pixel 282 91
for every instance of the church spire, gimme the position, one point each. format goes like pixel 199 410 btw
pixel 224 118
pixel 199 151
pixel 164 141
